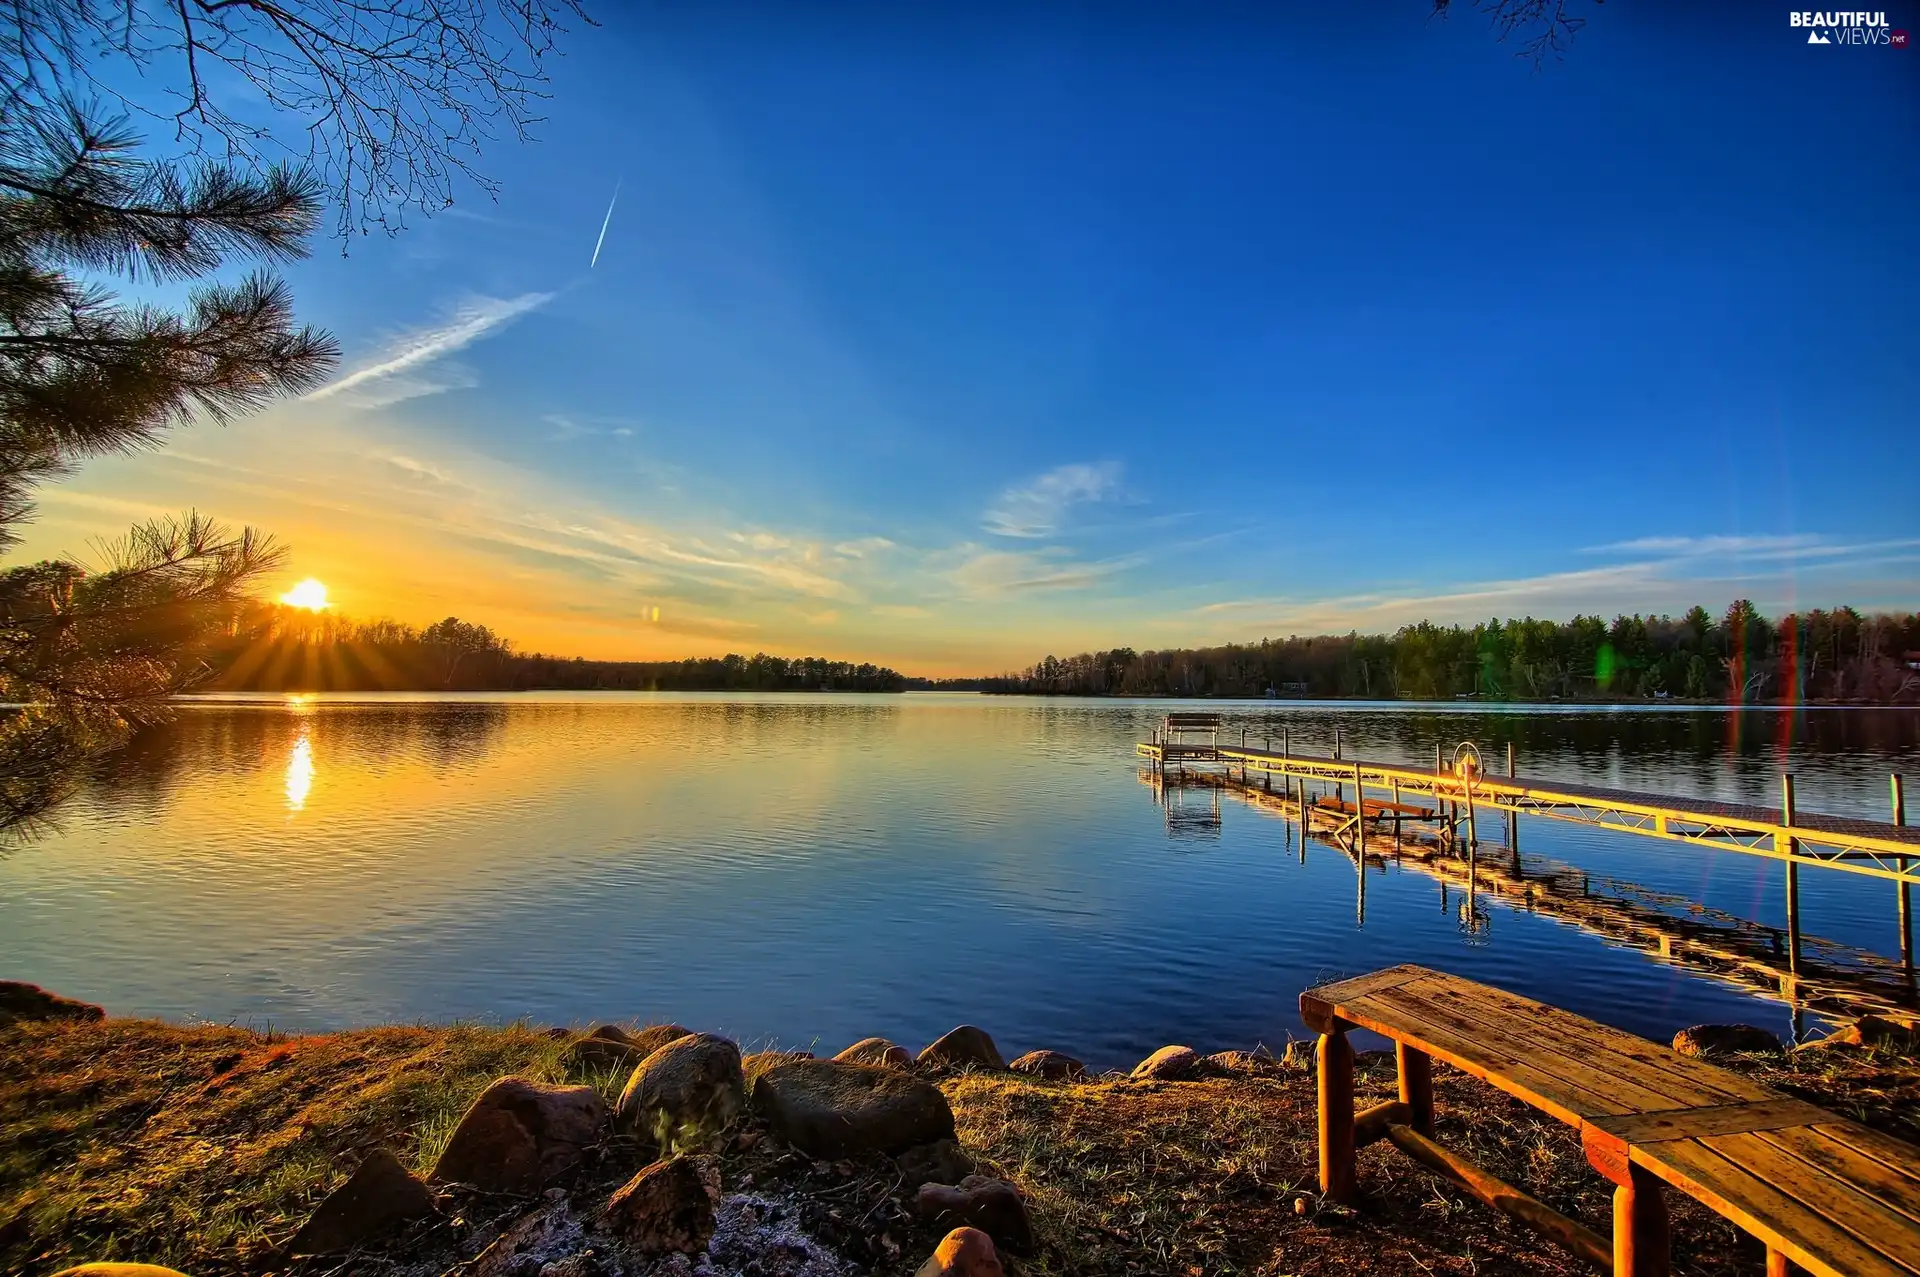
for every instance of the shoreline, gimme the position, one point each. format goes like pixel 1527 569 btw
pixel 210 1147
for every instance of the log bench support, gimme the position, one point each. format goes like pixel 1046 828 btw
pixel 1641 1241
pixel 1407 1124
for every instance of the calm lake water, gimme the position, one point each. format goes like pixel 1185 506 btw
pixel 808 870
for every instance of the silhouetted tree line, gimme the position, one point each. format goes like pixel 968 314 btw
pixel 1739 656
pixel 281 649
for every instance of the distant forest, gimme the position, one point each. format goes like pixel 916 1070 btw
pixel 1739 656
pixel 272 648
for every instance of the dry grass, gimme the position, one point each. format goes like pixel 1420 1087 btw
pixel 204 1147
pixel 1220 1176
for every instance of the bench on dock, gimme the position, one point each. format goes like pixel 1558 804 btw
pixel 1821 1192
pixel 1175 726
pixel 1376 810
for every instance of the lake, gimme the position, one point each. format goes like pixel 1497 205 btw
pixel 807 870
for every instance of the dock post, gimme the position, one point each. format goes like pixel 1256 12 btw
pixel 1336 740
pixel 1906 888
pixel 1359 812
pixel 1303 822
pixel 1787 845
pixel 1513 815
pixel 1286 742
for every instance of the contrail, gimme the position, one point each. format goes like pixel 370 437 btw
pixel 604 223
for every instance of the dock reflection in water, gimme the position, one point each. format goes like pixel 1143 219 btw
pixel 1833 979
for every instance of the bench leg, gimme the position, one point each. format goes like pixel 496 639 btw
pixel 1335 1057
pixel 1416 1086
pixel 1776 1263
pixel 1640 1239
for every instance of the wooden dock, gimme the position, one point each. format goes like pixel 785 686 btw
pixel 1833 979
pixel 1460 788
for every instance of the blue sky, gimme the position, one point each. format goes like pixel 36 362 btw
pixel 953 335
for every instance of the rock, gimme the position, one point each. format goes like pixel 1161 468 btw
pixel 1168 1064
pixel 940 1162
pixel 376 1199
pixel 876 1051
pixel 519 1134
pixel 607 1047
pixel 655 1036
pixel 684 1093
pixel 830 1109
pixel 119 1270
pixel 1299 1057
pixel 759 1062
pixel 1872 1031
pixel 1051 1065
pixel 964 1252
pixel 1245 1063
pixel 993 1206
pixel 21 1002
pixel 667 1206
pixel 1717 1039
pixel 963 1047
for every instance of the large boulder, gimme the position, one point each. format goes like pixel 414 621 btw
pixel 684 1094
pixel 964 1047
pixel 376 1199
pixel 20 1001
pixel 876 1051
pixel 655 1036
pixel 1243 1063
pixel 668 1206
pixel 1051 1065
pixel 519 1134
pixel 606 1048
pixel 1169 1064
pixel 993 1206
pixel 752 1066
pixel 1721 1039
pixel 1874 1032
pixel 830 1109
pixel 964 1252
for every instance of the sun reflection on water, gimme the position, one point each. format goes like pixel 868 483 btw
pixel 299 773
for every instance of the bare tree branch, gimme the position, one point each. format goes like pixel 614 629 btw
pixel 388 102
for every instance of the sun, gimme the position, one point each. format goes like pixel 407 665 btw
pixel 309 594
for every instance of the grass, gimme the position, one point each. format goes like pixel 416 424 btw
pixel 205 1147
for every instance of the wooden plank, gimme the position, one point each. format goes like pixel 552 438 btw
pixel 1702 1083
pixel 1584 1064
pixel 1808 1239
pixel 1895 1154
pixel 1897 1189
pixel 1462 1045
pixel 1711 1119
pixel 1321 1002
pixel 1877 1225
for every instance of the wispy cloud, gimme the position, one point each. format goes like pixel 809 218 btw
pixel 566 427
pixel 1704 546
pixel 1037 507
pixel 1002 572
pixel 468 324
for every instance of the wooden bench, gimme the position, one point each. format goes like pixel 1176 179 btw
pixel 1821 1192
